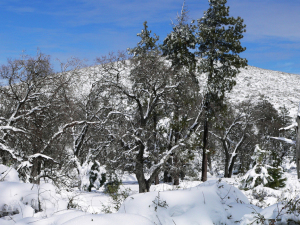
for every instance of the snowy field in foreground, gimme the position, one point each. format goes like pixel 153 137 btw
pixel 192 202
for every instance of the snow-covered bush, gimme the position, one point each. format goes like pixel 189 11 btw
pixel 8 174
pixel 117 199
pixel 91 175
pixel 285 212
pixel 20 200
pixel 262 173
pixel 24 171
pixel 97 176
pixel 116 191
pixel 24 200
pixel 112 187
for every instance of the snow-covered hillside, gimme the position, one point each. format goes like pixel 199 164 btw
pixel 281 89
pixel 252 84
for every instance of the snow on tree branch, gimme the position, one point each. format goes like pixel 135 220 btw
pixel 293 125
pixel 289 141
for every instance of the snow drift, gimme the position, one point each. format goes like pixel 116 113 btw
pixel 213 202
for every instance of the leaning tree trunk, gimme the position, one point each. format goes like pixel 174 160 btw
pixel 227 157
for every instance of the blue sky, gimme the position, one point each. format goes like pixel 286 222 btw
pixel 91 28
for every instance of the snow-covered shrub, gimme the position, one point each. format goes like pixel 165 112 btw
pixel 97 176
pixel 192 165
pixel 20 200
pixel 24 171
pixel 158 202
pixel 113 182
pixel 285 212
pixel 116 191
pixel 24 199
pixel 290 211
pixel 117 199
pixel 112 187
pixel 117 195
pixel 91 175
pixel 8 174
pixel 262 173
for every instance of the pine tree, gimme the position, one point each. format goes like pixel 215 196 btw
pixel 262 173
pixel 219 46
pixel 177 47
pixel 147 44
pixel 278 181
pixel 178 44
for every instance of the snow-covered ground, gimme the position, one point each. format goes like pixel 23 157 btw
pixel 217 201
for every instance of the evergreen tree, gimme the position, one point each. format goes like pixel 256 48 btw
pixel 262 173
pixel 147 44
pixel 219 46
pixel 151 83
pixel 177 47
pixel 178 44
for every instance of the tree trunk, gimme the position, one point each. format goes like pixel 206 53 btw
pixel 227 158
pixel 35 171
pixel 210 164
pixel 298 145
pixel 156 182
pixel 142 183
pixel 176 171
pixel 204 157
pixel 231 166
pixel 139 170
pixel 167 177
pixel 3 158
pixel 156 179
pixel 143 187
pixel 176 179
pixel 176 166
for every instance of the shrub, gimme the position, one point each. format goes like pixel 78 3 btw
pixel 262 173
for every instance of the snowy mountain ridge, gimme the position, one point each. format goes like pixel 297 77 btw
pixel 252 84
pixel 279 88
